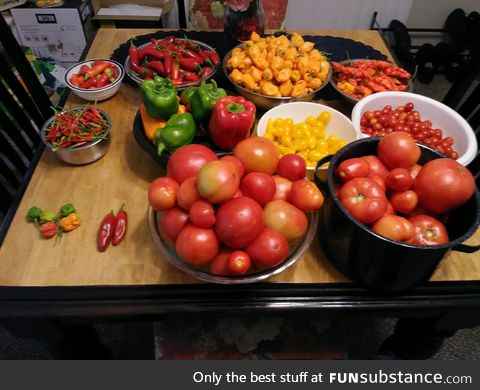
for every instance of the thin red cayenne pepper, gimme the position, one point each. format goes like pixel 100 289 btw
pixel 105 231
pixel 121 228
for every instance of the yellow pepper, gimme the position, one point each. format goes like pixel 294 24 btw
pixel 70 222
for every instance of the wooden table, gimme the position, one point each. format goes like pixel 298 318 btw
pixel 72 279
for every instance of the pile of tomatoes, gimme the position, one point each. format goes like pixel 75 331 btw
pixel 232 214
pixel 406 118
pixel 400 199
pixel 100 74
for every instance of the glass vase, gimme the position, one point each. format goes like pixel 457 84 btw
pixel 242 18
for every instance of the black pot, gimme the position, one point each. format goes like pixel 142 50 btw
pixel 375 261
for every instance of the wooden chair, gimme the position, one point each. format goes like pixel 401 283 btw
pixel 464 97
pixel 24 107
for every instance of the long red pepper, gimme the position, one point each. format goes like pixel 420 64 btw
pixel 121 227
pixel 105 231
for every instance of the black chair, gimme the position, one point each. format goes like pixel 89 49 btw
pixel 464 97
pixel 24 107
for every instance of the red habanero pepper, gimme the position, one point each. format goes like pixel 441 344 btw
pixel 105 231
pixel 231 121
pixel 48 229
pixel 121 228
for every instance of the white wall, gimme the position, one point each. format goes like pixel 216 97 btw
pixel 344 14
pixel 432 13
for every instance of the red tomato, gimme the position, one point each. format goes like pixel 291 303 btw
pixel 292 167
pixel 305 195
pixel 238 263
pixel 239 221
pixel 414 170
pixel 394 227
pixel 257 154
pixel 443 185
pixel 285 219
pixel 258 186
pixel 352 168
pixel 399 179
pixel 380 181
pixel 390 210
pixel 162 193
pixel 377 167
pixel 188 160
pixel 282 187
pixel 172 222
pixel 398 150
pixel 197 246
pixel 218 266
pixel 428 231
pixel 404 202
pixel 235 161
pixel 187 193
pixel 237 194
pixel 202 214
pixel 218 181
pixel 268 249
pixel 364 199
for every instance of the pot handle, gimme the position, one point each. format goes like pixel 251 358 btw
pixel 321 180
pixel 466 248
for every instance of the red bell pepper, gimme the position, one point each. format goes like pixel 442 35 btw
pixel 231 121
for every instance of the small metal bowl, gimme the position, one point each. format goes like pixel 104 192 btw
pixel 267 102
pixel 82 155
pixel 139 80
pixel 296 251
pixel 346 96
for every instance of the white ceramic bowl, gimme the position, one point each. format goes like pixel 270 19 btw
pixel 95 94
pixel 442 117
pixel 339 124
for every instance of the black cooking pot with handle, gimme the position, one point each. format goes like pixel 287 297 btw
pixel 375 261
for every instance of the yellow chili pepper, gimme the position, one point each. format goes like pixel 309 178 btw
pixel 70 222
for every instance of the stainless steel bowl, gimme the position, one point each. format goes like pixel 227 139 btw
pixel 139 81
pixel 82 155
pixel 347 97
pixel 202 273
pixel 267 102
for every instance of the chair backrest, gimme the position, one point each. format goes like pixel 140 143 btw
pixel 24 107
pixel 464 97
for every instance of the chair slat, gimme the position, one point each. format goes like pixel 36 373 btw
pixel 471 103
pixel 474 120
pixel 15 134
pixel 5 199
pixel 18 114
pixel 20 92
pixel 8 174
pixel 13 154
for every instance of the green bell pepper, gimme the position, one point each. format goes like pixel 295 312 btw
pixel 179 130
pixel 204 99
pixel 186 96
pixel 160 97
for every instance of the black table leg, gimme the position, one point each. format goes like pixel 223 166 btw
pixel 63 341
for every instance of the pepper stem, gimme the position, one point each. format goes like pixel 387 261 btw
pixel 235 107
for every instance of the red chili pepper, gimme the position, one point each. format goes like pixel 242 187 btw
pixel 175 71
pixel 96 70
pixel 150 51
pixel 158 67
pixel 141 71
pixel 105 231
pixel 189 76
pixel 168 60
pixel 189 64
pixel 231 121
pixel 213 56
pixel 134 54
pixel 121 228
pixel 192 54
pixel 206 71
pixel 84 69
pixel 167 41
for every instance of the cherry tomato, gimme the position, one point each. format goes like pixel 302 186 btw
pixel 202 214
pixel 282 187
pixel 196 246
pixel 188 160
pixel 238 164
pixel 218 181
pixel 377 167
pixel 398 150
pixel 285 219
pixel 238 263
pixel 364 199
pixel 187 193
pixel 218 266
pixel 404 201
pixel 352 168
pixel 305 195
pixel 268 249
pixel 258 186
pixel 239 221
pixel 428 231
pixel 257 154
pixel 292 167
pixel 162 193
pixel 399 179
pixel 394 227
pixel 171 224
pixel 443 185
